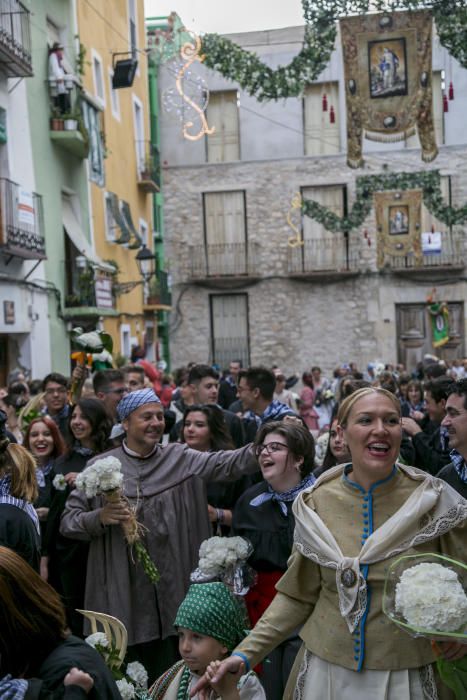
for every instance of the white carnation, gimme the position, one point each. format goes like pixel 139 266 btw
pixel 59 482
pixel 126 690
pixel 431 597
pixel 101 476
pixel 97 639
pixel 137 673
pixel 220 553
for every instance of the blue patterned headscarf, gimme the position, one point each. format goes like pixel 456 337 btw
pixel 134 400
pixel 13 688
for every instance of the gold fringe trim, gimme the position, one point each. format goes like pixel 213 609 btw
pixel 354 163
pixel 429 156
pixel 390 138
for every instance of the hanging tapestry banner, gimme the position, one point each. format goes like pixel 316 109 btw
pixel 387 68
pixel 439 317
pixel 398 223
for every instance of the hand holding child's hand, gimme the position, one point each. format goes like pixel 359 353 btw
pixel 226 686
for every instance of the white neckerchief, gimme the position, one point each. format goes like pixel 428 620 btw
pixel 431 510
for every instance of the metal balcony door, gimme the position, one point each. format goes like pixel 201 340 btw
pixel 414 338
pixel 229 329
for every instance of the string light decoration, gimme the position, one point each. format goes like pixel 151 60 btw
pixel 295 205
pixel 190 96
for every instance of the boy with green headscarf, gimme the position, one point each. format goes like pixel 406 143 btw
pixel 210 623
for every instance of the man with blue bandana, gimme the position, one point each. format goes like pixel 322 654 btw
pixel 166 487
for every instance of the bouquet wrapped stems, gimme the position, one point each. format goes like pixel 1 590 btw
pixel 130 526
pixel 132 531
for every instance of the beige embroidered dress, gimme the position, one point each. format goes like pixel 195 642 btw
pixel 345 540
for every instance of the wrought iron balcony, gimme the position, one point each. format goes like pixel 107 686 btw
pixel 159 296
pixel 223 260
pixel 15 39
pixel 323 257
pixel 149 166
pixel 21 222
pixel 450 256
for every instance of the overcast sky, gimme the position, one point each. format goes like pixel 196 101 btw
pixel 227 16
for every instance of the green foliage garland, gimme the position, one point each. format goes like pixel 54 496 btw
pixel 427 181
pixel 264 83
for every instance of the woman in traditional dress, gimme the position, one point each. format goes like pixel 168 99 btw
pixel 44 442
pixel 263 515
pixel 354 522
pixel 204 429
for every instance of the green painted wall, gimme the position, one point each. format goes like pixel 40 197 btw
pixel 55 169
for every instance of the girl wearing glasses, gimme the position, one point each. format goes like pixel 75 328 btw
pixel 263 515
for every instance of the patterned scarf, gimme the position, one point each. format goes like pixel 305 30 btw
pixel 12 688
pixel 285 496
pixel 460 465
pixel 84 451
pixel 5 497
pixel 275 411
pixel 57 417
pixel 42 472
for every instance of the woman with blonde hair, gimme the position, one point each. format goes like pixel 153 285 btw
pixel 19 523
pixel 356 521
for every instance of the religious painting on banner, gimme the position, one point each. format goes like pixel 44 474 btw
pixel 398 217
pixel 388 69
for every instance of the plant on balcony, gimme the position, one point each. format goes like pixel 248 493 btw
pixel 56 120
pixel 154 291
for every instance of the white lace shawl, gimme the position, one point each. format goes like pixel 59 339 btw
pixel 433 509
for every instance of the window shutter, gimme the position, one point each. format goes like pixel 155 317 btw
pixel 321 136
pixel 222 113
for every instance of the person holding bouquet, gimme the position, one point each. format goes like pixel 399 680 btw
pixel 350 526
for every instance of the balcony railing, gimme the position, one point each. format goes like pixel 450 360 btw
pixel 224 260
pixel 149 166
pixel 159 295
pixel 15 39
pixel 21 222
pixel 323 255
pixel 450 255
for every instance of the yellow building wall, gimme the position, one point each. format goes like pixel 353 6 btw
pixel 103 27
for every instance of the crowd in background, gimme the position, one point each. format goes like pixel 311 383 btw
pixel 211 412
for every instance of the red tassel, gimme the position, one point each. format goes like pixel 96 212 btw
pixel 445 103
pixel 451 91
pixel 332 116
pixel 325 103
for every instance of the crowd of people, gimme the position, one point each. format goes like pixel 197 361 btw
pixel 310 469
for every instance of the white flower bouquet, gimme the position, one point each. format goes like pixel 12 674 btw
pixel 425 594
pixel 224 559
pixel 104 478
pixel 131 678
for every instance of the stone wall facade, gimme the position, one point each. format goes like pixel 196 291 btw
pixel 325 319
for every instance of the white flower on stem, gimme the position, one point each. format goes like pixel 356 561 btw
pixel 98 639
pixel 59 482
pixel 431 597
pixel 126 690
pixel 102 476
pixel 137 673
